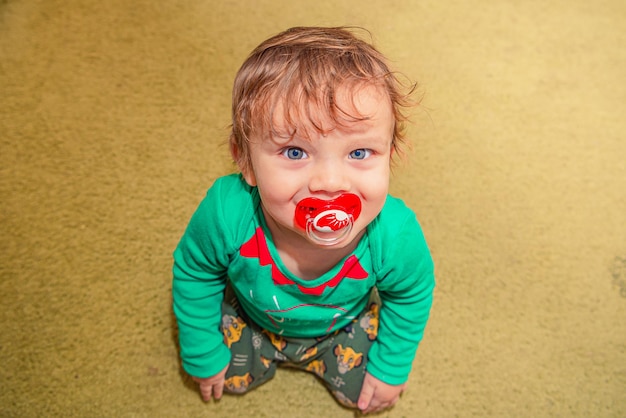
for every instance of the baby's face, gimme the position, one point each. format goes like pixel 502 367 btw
pixel 326 188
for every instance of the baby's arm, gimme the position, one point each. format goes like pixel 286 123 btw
pixel 200 267
pixel 405 283
pixel 197 299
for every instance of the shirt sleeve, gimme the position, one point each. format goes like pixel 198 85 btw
pixel 201 262
pixel 405 285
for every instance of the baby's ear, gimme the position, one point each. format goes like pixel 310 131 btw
pixel 244 165
pixel 248 174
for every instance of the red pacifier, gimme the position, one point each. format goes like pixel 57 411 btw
pixel 328 221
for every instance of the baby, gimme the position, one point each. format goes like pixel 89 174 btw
pixel 302 258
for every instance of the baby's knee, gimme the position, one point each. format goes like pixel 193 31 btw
pixel 238 384
pixel 344 399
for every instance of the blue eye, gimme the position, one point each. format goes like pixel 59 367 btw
pixel 294 153
pixel 360 154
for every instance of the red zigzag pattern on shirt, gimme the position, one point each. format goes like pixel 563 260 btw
pixel 256 247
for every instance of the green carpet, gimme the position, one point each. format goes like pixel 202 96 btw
pixel 113 117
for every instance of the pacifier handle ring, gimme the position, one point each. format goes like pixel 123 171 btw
pixel 343 234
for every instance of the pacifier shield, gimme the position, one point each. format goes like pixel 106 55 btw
pixel 328 215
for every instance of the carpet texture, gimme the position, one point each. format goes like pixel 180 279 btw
pixel 113 117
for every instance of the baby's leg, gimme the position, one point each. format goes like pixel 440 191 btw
pixel 253 359
pixel 347 358
pixel 340 359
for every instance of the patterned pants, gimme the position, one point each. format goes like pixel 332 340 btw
pixel 339 359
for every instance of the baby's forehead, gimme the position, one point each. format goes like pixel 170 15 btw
pixel 351 108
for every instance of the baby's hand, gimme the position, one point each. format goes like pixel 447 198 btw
pixel 377 395
pixel 212 386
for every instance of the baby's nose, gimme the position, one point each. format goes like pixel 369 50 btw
pixel 330 177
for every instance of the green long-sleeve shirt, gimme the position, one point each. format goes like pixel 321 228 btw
pixel 227 238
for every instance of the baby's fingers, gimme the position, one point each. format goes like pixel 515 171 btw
pixel 206 387
pixel 218 389
pixel 206 390
pixel 365 398
pixel 211 386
